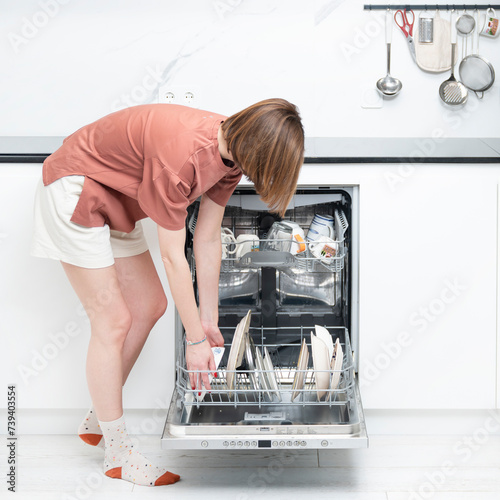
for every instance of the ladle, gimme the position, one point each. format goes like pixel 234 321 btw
pixel 389 86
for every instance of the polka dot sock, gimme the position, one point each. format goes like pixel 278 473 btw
pixel 121 461
pixel 89 430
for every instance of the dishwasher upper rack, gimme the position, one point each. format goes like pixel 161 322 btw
pixel 284 260
pixel 304 260
pixel 245 392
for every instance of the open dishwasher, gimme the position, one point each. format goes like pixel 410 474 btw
pixel 274 303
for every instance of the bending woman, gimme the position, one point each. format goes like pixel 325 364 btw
pixel 153 161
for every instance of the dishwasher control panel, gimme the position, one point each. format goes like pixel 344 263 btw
pixel 277 443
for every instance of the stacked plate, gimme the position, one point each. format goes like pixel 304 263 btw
pixel 327 364
pixel 261 372
pixel 237 351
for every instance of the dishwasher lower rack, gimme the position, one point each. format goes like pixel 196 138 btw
pixel 249 386
pixel 256 414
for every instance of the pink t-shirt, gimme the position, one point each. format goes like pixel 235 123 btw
pixel 151 160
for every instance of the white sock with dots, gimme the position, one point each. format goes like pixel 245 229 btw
pixel 89 430
pixel 121 461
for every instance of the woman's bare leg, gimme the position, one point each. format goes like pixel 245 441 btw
pixel 143 293
pixel 110 321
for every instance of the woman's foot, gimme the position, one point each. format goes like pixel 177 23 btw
pixel 90 431
pixel 121 461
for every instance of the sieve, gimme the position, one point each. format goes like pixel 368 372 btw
pixel 476 72
pixel 452 92
pixel 465 26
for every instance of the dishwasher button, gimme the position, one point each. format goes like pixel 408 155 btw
pixel 289 443
pixel 296 443
pixel 204 444
pixel 324 443
pixel 225 443
pixel 240 443
pixel 254 443
pixel 282 443
pixel 303 443
pixel 275 443
pixel 247 443
pixel 232 443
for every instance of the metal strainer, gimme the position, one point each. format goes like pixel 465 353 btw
pixel 465 24
pixel 477 73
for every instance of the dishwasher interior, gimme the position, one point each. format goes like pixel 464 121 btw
pixel 274 393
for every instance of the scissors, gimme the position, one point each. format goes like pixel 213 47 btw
pixel 401 18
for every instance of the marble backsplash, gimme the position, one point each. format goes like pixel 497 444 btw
pixel 66 63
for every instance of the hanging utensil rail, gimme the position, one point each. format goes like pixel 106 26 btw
pixel 430 6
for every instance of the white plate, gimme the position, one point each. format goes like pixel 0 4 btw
pixel 270 375
pixel 261 375
pixel 251 354
pixel 336 366
pixel 237 350
pixel 321 364
pixel 300 374
pixel 323 334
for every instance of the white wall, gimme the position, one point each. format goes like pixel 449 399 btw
pixel 66 63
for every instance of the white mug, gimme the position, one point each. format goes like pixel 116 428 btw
pixel 246 243
pixel 321 225
pixel 324 248
pixel 227 240
pixel 491 24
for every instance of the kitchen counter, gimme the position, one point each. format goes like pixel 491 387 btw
pixel 17 149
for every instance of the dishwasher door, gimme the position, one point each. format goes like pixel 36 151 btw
pixel 278 405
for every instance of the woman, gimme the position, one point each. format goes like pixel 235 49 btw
pixel 153 161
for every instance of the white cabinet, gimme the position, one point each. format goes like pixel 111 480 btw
pixel 428 283
pixel 45 333
pixel 428 294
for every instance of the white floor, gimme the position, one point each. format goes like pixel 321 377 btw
pixel 441 468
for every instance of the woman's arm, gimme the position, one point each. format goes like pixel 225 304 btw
pixel 207 252
pixel 198 357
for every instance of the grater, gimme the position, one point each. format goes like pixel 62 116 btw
pixel 426 30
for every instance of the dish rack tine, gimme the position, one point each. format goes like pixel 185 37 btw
pixel 341 223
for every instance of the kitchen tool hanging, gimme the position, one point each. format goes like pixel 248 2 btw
pixel 435 57
pixel 476 72
pixel 389 86
pixel 465 25
pixel 452 92
pixel 425 27
pixel 405 20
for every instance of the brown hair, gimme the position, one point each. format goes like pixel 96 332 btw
pixel 266 140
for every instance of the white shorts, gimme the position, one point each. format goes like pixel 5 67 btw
pixel 56 237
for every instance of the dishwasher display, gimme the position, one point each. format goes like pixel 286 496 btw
pixel 287 304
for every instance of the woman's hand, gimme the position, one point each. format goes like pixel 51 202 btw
pixel 214 336
pixel 200 357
